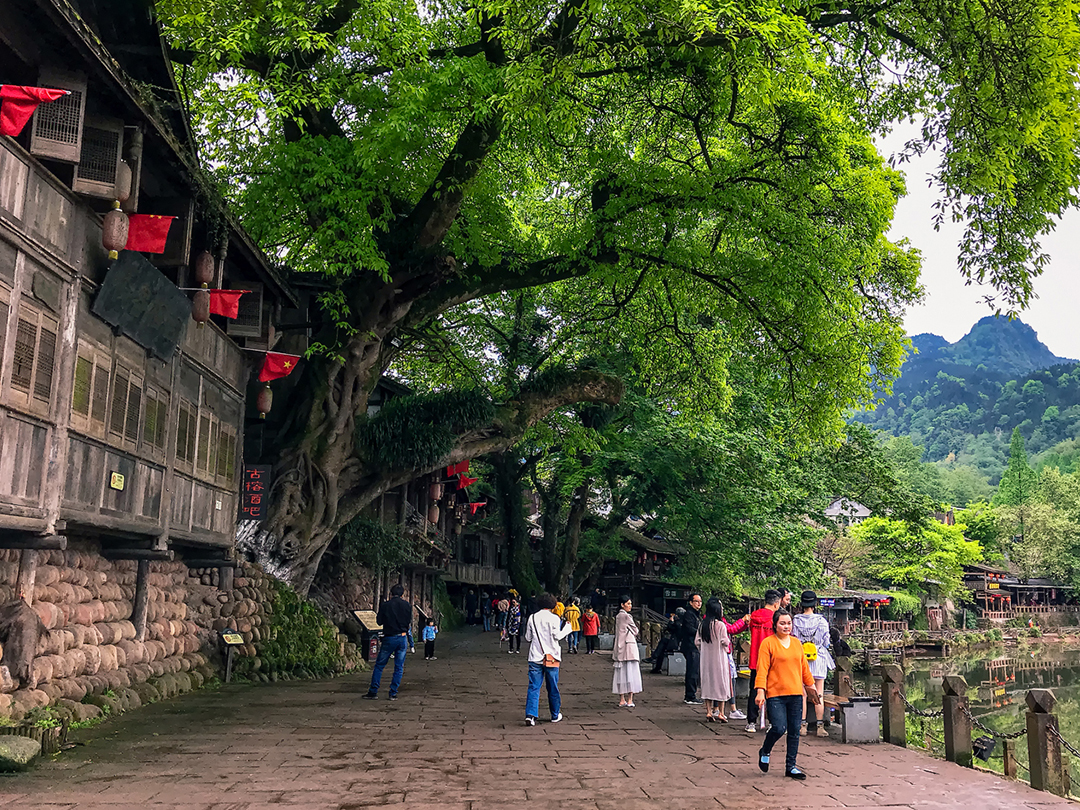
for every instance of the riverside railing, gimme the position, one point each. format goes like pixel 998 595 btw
pixel 1048 768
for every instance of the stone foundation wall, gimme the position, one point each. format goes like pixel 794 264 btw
pixel 90 657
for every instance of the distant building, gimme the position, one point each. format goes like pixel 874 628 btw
pixel 844 512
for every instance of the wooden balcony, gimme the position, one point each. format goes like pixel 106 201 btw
pixel 472 574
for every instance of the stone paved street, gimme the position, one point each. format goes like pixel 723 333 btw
pixel 455 741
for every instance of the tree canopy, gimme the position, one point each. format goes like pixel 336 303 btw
pixel 713 160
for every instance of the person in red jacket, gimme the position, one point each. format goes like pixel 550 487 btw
pixel 590 628
pixel 761 627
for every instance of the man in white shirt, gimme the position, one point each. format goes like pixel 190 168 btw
pixel 544 631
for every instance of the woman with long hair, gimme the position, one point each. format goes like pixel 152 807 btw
pixel 783 677
pixel 625 656
pixel 715 644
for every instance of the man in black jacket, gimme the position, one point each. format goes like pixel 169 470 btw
pixel 395 616
pixel 687 627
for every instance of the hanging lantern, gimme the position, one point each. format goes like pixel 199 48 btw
pixel 123 182
pixel 204 268
pixel 433 513
pixel 114 231
pixel 200 307
pixel 264 401
pixel 435 491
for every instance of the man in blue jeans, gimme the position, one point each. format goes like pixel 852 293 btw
pixel 544 630
pixel 395 616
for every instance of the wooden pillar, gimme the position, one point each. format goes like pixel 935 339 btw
pixel 957 724
pixel 225 578
pixel 1008 755
pixel 24 585
pixel 1044 749
pixel 893 725
pixel 844 687
pixel 142 597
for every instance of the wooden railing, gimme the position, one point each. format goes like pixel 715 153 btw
pixel 854 628
pixel 1047 608
pixel 472 574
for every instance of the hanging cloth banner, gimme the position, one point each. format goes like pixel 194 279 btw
pixel 147 232
pixel 457 469
pixel 465 481
pixel 474 506
pixel 226 302
pixel 276 365
pixel 19 104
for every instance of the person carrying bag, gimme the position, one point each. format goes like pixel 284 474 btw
pixel 544 631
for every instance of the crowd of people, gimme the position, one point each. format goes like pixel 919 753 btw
pixel 791 652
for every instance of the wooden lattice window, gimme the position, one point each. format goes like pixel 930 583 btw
pixel 226 460
pixel 126 405
pixel 203 462
pixel 82 390
pixel 58 126
pixel 155 418
pixel 34 358
pixel 99 157
pixel 249 320
pixel 90 391
pixel 186 429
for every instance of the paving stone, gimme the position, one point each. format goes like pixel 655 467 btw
pixel 455 740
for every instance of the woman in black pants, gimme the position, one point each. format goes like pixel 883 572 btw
pixel 513 627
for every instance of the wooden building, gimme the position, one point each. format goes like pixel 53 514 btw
pixel 121 422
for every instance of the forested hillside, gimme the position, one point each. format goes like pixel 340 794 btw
pixel 961 401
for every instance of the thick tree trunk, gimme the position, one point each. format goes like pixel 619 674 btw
pixel 512 508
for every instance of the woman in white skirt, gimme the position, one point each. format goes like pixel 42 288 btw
pixel 627 678
pixel 713 642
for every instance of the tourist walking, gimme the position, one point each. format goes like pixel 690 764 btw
pixel 761 627
pixel 503 607
pixel 714 645
pixel 485 610
pixel 470 607
pixel 783 677
pixel 573 617
pixel 427 635
pixel 687 629
pixel 625 656
pixel 590 628
pixel 513 627
pixel 395 617
pixel 544 631
pixel 812 629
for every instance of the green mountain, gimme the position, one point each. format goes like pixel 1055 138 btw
pixel 961 401
pixel 1009 347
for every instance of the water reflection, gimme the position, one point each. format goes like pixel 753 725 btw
pixel 998 680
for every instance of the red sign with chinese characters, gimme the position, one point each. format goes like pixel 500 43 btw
pixel 255 492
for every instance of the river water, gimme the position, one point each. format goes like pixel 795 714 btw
pixel 998 680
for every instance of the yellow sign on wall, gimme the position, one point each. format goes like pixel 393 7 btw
pixel 116 481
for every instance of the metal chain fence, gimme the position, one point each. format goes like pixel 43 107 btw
pixel 986 729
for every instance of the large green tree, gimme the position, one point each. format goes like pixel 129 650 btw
pixel 415 157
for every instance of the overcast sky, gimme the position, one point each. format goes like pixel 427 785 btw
pixel 952 308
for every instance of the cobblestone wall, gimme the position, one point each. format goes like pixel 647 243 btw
pixel 90 660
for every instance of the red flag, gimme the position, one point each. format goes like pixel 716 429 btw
pixel 226 302
pixel 465 481
pixel 19 104
pixel 461 467
pixel 474 506
pixel 148 232
pixel 277 365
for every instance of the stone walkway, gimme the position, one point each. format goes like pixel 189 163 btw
pixel 455 741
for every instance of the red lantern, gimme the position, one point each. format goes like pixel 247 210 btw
pixel 114 231
pixel 204 268
pixel 265 400
pixel 435 491
pixel 433 513
pixel 200 307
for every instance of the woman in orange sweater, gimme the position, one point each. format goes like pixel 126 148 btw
pixel 782 676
